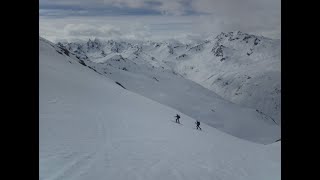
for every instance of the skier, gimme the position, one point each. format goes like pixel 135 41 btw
pixel 178 117
pixel 198 125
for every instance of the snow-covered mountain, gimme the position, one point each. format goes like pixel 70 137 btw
pixel 93 127
pixel 137 72
pixel 242 68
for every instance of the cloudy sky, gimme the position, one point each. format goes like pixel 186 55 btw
pixel 185 20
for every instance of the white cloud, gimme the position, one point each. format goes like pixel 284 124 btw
pixel 82 3
pixel 168 7
pixel 246 15
pixel 84 28
pixel 172 8
pixel 127 3
pixel 88 30
pixel 260 17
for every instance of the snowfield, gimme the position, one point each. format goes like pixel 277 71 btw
pixel 242 68
pixel 92 128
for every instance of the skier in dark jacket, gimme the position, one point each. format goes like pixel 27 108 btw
pixel 178 117
pixel 198 125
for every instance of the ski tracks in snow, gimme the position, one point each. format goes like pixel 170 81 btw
pixel 75 165
pixel 72 169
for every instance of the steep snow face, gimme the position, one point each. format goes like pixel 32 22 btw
pixel 96 49
pixel 240 67
pixel 153 79
pixel 91 128
pixel 170 89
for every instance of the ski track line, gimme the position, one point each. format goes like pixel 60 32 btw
pixel 80 166
pixel 100 147
pixel 107 141
pixel 72 168
pixel 177 174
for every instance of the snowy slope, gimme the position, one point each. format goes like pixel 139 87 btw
pixel 164 86
pixel 240 67
pixel 91 128
pixel 192 99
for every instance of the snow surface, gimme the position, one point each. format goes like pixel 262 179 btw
pixel 91 128
pixel 191 99
pixel 240 67
pixel 138 72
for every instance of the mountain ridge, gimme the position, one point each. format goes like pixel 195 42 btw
pixel 240 67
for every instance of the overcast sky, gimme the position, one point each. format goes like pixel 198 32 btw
pixel 156 19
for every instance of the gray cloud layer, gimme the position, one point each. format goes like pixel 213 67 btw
pixel 157 19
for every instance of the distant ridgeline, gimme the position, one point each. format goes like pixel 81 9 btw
pixel 240 67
